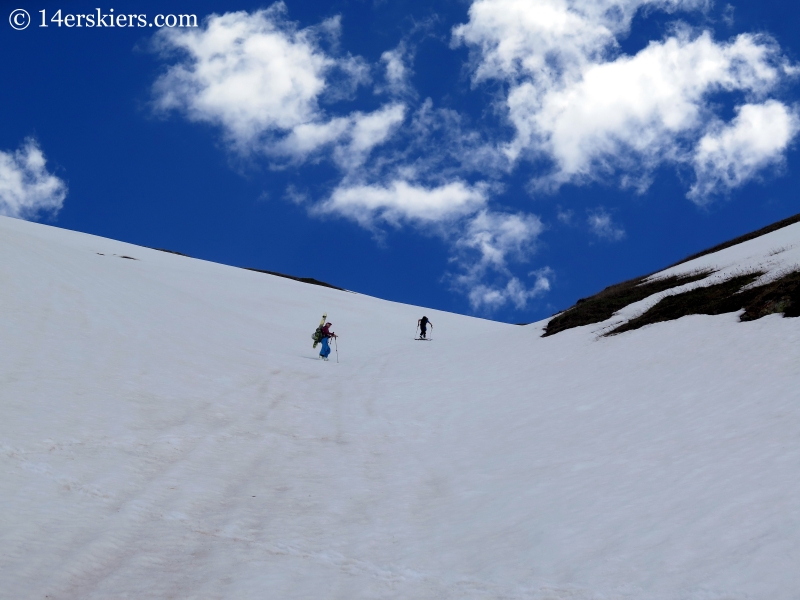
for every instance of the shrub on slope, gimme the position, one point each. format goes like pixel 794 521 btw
pixel 602 306
pixel 781 295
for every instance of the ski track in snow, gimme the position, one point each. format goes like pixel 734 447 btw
pixel 166 431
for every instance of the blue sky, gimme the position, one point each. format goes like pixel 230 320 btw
pixel 501 158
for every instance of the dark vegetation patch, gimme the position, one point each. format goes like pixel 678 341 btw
pixel 171 252
pixel 603 305
pixel 121 256
pixel 710 300
pixel 310 280
pixel 780 296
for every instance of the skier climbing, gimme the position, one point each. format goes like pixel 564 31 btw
pixel 326 333
pixel 423 327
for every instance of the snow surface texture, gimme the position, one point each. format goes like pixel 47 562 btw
pixel 166 431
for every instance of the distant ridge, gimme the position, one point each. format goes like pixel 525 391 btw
pixel 171 252
pixel 779 295
pixel 309 280
pixel 742 238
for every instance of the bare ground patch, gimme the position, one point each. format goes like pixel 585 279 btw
pixel 779 296
pixel 603 305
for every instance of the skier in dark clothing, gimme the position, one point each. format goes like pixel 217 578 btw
pixel 423 327
pixel 326 333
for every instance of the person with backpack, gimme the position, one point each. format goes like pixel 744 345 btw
pixel 325 334
pixel 423 327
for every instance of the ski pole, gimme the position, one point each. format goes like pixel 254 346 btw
pixel 336 344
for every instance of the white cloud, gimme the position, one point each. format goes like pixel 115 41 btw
pixel 603 226
pixel 307 138
pixel 728 15
pixel 401 201
pixel 27 189
pixel 575 104
pixel 295 196
pixel 565 216
pixel 487 298
pixel 641 106
pixel 368 131
pixel 249 73
pixel 397 72
pixel 484 242
pixel 548 39
pixel 574 101
pixel 352 138
pixel 496 236
pixel 732 154
pixel 442 144
pixel 262 80
pixel 488 241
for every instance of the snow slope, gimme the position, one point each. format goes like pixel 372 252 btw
pixel 167 432
pixel 775 255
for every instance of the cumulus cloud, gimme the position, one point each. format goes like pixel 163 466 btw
pixel 603 226
pixel 487 298
pixel 733 153
pixel 485 246
pixel 484 241
pixel 270 85
pixel 401 201
pixel 369 130
pixel 351 138
pixel 397 71
pixel 496 236
pixel 27 189
pixel 398 63
pixel 263 81
pixel 576 102
pixel 550 40
pixel 249 73
pixel 635 112
pixel 572 103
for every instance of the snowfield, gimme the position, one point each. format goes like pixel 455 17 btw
pixel 166 431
